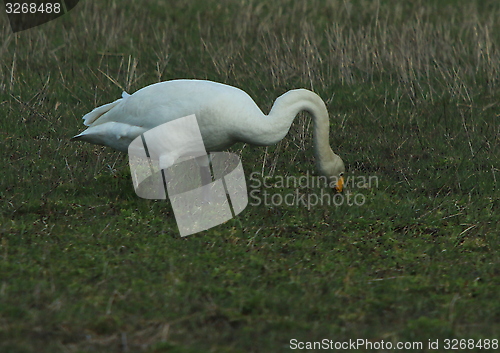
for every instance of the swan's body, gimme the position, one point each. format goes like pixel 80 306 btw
pixel 225 115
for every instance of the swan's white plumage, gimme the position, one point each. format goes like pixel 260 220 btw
pixel 225 115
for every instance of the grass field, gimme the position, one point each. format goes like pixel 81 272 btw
pixel 413 94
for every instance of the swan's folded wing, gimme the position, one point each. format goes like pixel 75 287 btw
pixel 95 114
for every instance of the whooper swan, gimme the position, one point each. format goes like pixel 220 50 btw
pixel 225 115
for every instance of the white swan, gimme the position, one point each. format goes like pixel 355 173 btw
pixel 225 115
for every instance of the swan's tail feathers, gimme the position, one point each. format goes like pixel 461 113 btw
pixel 111 134
pixel 125 95
pixel 89 118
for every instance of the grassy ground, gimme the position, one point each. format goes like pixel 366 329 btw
pixel 412 90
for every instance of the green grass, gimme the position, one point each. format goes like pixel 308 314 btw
pixel 412 90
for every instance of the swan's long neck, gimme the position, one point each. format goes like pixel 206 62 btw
pixel 286 108
pixel 259 129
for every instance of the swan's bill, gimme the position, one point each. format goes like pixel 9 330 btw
pixel 339 186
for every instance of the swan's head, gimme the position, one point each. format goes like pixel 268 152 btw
pixel 333 168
